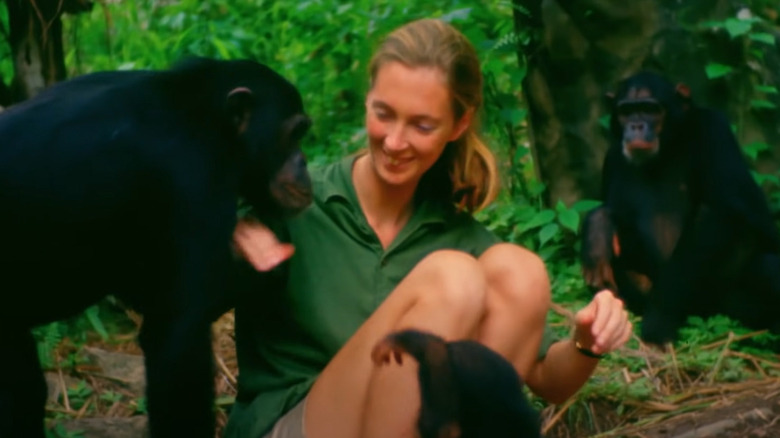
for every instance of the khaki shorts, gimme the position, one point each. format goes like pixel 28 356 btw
pixel 290 425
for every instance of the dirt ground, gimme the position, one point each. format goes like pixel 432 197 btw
pixel 744 409
pixel 748 413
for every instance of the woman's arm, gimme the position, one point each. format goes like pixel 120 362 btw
pixel 600 327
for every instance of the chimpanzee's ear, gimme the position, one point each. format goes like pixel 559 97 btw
pixel 609 99
pixel 683 90
pixel 238 106
pixel 684 94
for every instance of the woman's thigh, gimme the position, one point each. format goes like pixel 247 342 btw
pixel 518 301
pixel 444 294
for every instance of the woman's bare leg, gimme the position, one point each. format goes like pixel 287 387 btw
pixel 518 300
pixel 445 294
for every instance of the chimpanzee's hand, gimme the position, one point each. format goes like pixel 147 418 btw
pixel 660 328
pixel 603 325
pixel 259 245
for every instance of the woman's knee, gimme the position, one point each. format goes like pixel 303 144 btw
pixel 517 274
pixel 452 280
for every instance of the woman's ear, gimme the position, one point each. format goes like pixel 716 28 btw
pixel 462 124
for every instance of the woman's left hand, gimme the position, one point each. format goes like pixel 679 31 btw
pixel 603 326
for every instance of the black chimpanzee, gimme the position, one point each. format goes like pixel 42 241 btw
pixel 467 390
pixel 127 183
pixel 684 228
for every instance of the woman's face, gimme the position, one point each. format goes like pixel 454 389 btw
pixel 409 121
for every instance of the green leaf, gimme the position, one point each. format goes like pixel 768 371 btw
pixel 753 149
pixel 768 89
pixel 761 103
pixel 737 27
pixel 458 14
pixel 543 217
pixel 763 37
pixel 513 115
pixel 715 70
pixel 92 315
pixel 570 219
pixel 604 121
pixel 585 205
pixel 548 232
pixel 536 187
pixel 221 47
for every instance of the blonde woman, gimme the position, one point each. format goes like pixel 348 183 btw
pixel 390 243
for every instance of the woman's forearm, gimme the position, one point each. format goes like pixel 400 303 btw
pixel 562 372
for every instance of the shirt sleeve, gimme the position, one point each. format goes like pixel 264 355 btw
pixel 475 237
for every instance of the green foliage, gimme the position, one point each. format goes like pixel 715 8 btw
pixel 111 396
pixel 715 70
pixel 322 46
pixel 754 35
pixel 76 332
pixel 47 338
pixel 140 406
pixel 59 431
pixel 79 394
pixel 6 62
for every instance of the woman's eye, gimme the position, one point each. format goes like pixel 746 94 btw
pixel 425 128
pixel 381 115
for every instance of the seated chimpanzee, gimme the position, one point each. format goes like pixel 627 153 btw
pixel 127 183
pixel 684 229
pixel 467 390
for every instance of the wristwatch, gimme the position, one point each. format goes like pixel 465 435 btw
pixel 586 351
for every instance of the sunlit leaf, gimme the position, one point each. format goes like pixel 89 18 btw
pixel 584 205
pixel 92 315
pixel 715 70
pixel 548 232
pixel 768 89
pixel 763 37
pixel 543 217
pixel 737 27
pixel 761 103
pixel 569 219
pixel 458 14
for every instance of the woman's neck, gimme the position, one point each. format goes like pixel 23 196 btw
pixel 387 209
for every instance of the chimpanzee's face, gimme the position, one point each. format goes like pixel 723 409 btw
pixel 269 116
pixel 641 117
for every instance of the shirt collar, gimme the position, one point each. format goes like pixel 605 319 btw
pixel 339 186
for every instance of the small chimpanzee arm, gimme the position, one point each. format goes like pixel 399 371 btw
pixel 598 232
pixel 597 249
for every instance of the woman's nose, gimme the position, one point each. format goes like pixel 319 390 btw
pixel 395 138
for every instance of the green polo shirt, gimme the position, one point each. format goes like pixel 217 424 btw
pixel 308 308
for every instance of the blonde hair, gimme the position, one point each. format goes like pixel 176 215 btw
pixel 466 172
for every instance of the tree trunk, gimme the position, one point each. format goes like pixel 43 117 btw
pixel 35 38
pixel 580 49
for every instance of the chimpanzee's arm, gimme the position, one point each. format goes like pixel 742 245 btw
pixel 598 233
pixel 726 183
pixel 438 393
pixel 597 250
pixel 176 333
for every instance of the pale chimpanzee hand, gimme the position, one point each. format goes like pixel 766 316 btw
pixel 259 246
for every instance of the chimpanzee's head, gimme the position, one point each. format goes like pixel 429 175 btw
pixel 267 113
pixel 646 111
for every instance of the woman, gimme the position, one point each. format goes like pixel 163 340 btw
pixel 390 243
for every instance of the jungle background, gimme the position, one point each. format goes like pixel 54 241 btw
pixel 547 65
